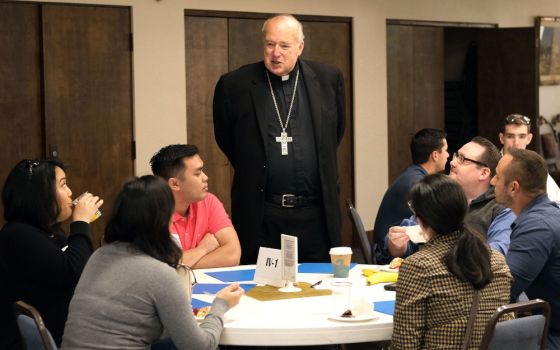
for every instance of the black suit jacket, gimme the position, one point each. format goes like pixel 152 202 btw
pixel 240 128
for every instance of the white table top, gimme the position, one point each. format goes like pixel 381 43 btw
pixel 300 321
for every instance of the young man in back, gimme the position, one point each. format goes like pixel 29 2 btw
pixel 516 133
pixel 200 222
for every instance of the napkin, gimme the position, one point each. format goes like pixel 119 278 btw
pixel 386 307
pixel 415 234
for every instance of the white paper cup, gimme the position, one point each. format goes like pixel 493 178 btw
pixel 340 259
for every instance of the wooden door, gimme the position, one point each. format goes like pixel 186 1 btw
pixel 507 80
pixel 66 92
pixel 20 87
pixel 415 88
pixel 218 42
pixel 88 97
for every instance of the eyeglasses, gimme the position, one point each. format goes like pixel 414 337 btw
pixel 29 165
pixel 190 274
pixel 518 118
pixel 461 159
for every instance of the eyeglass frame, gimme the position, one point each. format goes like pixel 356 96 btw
pixel 194 282
pixel 461 160
pixel 516 118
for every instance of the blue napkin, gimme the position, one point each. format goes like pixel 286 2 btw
pixel 386 307
pixel 213 288
pixel 234 275
pixel 197 303
pixel 318 267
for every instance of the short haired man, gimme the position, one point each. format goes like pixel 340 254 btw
pixel 428 148
pixel 200 221
pixel 516 133
pixel 534 252
pixel 473 167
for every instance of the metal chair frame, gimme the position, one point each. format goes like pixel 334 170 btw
pixel 519 307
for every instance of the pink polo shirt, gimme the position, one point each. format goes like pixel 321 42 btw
pixel 206 216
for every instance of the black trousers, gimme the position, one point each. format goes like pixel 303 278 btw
pixel 306 223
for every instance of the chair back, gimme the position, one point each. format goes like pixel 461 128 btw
pixel 524 333
pixel 32 328
pixel 358 226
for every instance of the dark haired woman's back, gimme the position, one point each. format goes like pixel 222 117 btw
pixel 433 305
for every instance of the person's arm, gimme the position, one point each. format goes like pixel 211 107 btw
pixel 174 310
pixel 499 231
pixel 413 288
pixel 528 252
pixel 208 244
pixel 227 254
pixel 224 124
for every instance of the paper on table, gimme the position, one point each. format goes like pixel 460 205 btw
pixel 415 234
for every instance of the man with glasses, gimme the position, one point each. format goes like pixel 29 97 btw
pixel 428 149
pixel 516 133
pixel 473 167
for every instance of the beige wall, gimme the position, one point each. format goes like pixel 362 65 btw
pixel 159 71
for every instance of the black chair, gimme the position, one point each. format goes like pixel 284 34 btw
pixel 360 231
pixel 524 333
pixel 32 328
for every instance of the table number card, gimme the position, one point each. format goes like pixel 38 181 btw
pixel 269 267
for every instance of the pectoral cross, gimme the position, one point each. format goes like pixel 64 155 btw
pixel 284 139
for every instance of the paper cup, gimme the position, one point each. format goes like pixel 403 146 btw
pixel 340 260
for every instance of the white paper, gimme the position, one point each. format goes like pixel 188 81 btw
pixel 415 234
pixel 289 246
pixel 269 267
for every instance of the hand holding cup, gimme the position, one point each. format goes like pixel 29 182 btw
pixel 86 207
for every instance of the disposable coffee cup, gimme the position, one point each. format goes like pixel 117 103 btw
pixel 340 260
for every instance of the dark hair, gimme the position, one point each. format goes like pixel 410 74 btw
pixel 491 155
pixel 441 204
pixel 424 142
pixel 141 215
pixel 529 169
pixel 29 194
pixel 168 161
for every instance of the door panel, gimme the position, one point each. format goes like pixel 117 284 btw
pixel 206 62
pixel 415 89
pixel 507 80
pixel 20 88
pixel 88 98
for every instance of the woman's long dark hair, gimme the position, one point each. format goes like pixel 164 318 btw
pixel 29 194
pixel 141 215
pixel 441 204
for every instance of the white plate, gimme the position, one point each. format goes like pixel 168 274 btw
pixel 357 318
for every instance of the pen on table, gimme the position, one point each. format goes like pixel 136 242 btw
pixel 316 284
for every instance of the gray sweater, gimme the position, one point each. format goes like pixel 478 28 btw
pixel 125 299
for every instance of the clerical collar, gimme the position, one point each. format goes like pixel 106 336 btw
pixel 285 77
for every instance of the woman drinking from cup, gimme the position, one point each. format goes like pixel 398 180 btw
pixel 39 264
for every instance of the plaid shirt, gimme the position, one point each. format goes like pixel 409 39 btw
pixel 433 306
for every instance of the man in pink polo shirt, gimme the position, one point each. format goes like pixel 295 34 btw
pixel 200 221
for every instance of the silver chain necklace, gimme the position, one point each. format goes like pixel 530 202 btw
pixel 283 139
